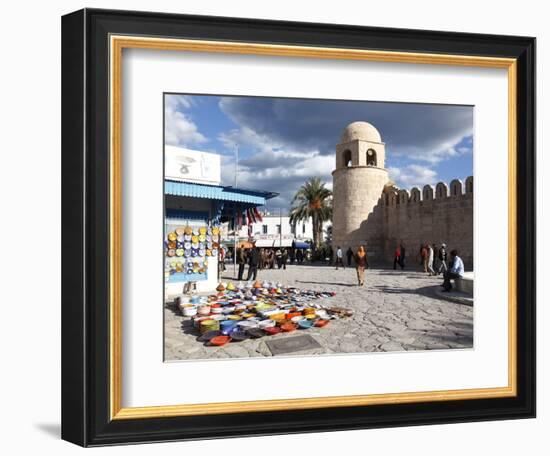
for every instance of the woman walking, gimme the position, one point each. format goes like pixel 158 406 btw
pixel 361 262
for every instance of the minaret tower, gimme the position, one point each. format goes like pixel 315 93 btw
pixel 358 182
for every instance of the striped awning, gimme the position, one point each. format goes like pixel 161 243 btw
pixel 217 192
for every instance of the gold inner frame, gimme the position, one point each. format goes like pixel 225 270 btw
pixel 117 44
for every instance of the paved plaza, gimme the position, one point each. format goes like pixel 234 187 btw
pixel 394 311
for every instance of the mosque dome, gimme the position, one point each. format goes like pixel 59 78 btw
pixel 360 130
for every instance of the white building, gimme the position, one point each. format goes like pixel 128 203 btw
pixel 276 231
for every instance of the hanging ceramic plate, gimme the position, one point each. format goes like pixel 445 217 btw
pixel 172 236
pixel 189 271
pixel 172 244
pixel 215 231
pixel 194 239
pixel 208 252
pixel 179 267
pixel 180 230
pixel 209 230
pixel 209 245
pixel 195 245
pixel 208 238
pixel 202 252
pixel 179 245
pixel 188 230
pixel 214 252
pixel 202 245
pixel 187 245
pixel 171 252
pixel 215 245
pixel 179 252
pixel 202 230
pixel 187 252
pixel 196 231
pixel 194 252
pixel 186 237
pixel 202 238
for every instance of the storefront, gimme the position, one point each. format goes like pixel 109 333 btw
pixel 195 208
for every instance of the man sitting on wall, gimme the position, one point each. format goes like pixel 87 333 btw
pixel 456 271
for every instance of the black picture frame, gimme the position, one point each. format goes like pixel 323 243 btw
pixel 85 228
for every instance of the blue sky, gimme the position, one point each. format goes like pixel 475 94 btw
pixel 283 142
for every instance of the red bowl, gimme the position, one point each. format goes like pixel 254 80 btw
pixel 288 327
pixel 220 340
pixel 272 330
pixel 321 323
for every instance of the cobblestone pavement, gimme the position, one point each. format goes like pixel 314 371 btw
pixel 394 311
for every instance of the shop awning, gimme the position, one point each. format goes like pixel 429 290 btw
pixel 217 192
pixel 301 245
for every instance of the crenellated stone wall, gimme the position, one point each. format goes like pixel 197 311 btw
pixel 431 215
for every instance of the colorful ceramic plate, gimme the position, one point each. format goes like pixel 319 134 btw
pixel 239 336
pixel 272 330
pixel 209 335
pixel 171 252
pixel 179 252
pixel 220 340
pixel 172 236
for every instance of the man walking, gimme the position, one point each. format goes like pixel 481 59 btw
pixel 339 258
pixel 442 259
pixel 431 260
pixel 241 261
pixel 349 254
pixel 402 255
pixel 456 271
pixel 253 261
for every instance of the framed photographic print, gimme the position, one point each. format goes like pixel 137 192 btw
pixel 277 227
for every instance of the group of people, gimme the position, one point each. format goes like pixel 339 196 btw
pixel 338 259
pixel 434 261
pixel 271 257
pixel 266 258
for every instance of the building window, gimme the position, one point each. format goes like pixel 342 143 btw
pixel 347 157
pixel 303 228
pixel 371 157
pixel 278 229
pixel 264 229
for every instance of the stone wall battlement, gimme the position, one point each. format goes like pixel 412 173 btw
pixel 394 197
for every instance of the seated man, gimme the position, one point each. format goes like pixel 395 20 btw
pixel 456 271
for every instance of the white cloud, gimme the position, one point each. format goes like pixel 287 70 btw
pixel 412 176
pixel 179 129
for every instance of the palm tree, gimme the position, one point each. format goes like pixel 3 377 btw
pixel 312 200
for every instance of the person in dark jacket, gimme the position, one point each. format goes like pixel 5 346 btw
pixel 241 261
pixel 349 254
pixel 253 262
pixel 402 257
pixel 284 258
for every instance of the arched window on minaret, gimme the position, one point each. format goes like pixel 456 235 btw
pixel 347 157
pixel 371 157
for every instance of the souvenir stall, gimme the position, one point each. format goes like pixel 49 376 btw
pixel 193 216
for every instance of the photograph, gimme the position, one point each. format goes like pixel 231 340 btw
pixel 308 227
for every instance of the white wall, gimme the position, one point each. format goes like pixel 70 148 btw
pixel 30 331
